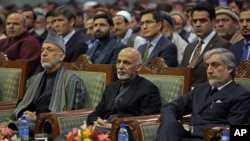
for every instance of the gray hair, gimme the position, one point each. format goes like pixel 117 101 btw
pixel 226 56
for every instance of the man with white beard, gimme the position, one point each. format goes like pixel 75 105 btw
pixel 55 89
pixel 131 95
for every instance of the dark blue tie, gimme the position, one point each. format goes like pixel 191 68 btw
pixel 244 55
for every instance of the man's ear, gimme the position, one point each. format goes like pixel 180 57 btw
pixel 62 56
pixel 138 67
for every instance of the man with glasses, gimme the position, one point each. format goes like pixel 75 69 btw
pixel 151 22
pixel 227 24
pixel 241 49
pixel 203 22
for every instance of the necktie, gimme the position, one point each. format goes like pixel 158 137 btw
pixel 212 91
pixel 245 52
pixel 196 54
pixel 145 54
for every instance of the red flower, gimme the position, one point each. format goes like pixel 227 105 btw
pixel 95 134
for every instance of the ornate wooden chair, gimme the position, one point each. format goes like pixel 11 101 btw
pixel 243 78
pixel 172 83
pixel 13 77
pixel 95 77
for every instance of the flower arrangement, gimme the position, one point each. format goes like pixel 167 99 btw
pixel 86 134
pixel 6 134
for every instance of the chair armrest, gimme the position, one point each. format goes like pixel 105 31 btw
pixel 134 125
pixel 74 118
pixel 213 133
pixel 5 105
pixel 40 119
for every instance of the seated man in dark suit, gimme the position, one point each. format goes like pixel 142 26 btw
pixel 220 101
pixel 131 95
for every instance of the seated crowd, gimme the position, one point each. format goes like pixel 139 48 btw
pixel 216 45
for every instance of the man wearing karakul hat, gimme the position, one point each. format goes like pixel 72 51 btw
pixel 55 89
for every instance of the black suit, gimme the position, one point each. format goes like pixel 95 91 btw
pixel 237 50
pixel 230 105
pixel 199 75
pixel 141 98
pixel 109 53
pixel 75 46
pixel 165 49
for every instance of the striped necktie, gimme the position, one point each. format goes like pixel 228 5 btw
pixel 196 54
pixel 145 54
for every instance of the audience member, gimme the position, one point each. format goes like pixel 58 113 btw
pixel 89 27
pixel 30 18
pixel 20 45
pixel 53 90
pixel 75 41
pixel 180 23
pixel 168 32
pixel 227 24
pixel 49 20
pixel 108 48
pixel 131 95
pixel 241 49
pixel 40 31
pixel 203 21
pixel 122 30
pixel 157 45
pixel 218 102
pixel 236 5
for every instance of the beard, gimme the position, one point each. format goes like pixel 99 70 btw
pixel 124 76
pixel 102 36
pixel 51 64
pixel 215 82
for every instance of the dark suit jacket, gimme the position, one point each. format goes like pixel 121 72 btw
pixel 230 105
pixel 142 98
pixel 109 53
pixel 165 49
pixel 199 75
pixel 237 49
pixel 75 47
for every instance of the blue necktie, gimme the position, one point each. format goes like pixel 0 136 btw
pixel 244 55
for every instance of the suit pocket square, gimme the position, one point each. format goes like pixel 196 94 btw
pixel 218 101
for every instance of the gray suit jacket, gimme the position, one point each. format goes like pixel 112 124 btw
pixel 165 49
pixel 199 75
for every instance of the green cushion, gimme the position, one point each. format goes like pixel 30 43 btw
pixel 149 131
pixel 6 113
pixel 71 122
pixel 94 83
pixel 170 86
pixel 9 83
pixel 243 82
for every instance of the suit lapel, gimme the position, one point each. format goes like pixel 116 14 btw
pixel 209 46
pixel 106 49
pixel 189 49
pixel 71 41
pixel 156 49
pixel 217 95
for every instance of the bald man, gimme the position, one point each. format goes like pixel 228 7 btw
pixel 131 95
pixel 19 44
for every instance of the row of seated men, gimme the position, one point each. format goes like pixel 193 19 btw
pixel 105 46
pixel 217 102
pixel 219 66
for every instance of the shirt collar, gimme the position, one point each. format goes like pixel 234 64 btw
pixel 67 37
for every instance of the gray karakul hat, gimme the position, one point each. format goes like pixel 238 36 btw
pixel 53 38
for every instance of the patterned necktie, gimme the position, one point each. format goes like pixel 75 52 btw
pixel 245 52
pixel 196 54
pixel 145 54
